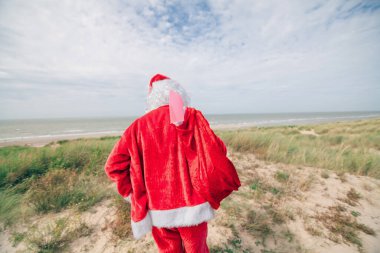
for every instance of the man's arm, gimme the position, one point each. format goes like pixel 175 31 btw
pixel 117 167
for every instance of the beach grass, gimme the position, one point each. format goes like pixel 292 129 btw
pixel 56 236
pixel 352 147
pixel 53 178
pixel 60 188
pixel 121 226
pixel 344 226
pixel 10 206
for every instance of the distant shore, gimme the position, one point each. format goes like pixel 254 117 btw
pixel 42 141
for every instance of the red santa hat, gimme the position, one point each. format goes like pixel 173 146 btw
pixel 156 78
pixel 176 102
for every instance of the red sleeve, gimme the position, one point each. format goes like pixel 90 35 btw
pixel 117 167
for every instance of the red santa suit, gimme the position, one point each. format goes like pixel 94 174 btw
pixel 174 175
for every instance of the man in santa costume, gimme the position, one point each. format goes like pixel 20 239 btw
pixel 173 170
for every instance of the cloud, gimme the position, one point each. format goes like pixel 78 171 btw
pixel 96 57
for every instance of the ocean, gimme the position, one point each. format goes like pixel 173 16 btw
pixel 28 129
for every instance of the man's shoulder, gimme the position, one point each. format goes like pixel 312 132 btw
pixel 155 114
pixel 132 127
pixel 146 117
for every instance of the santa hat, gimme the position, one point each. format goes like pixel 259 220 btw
pixel 156 78
pixel 174 93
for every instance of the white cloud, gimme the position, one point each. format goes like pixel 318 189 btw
pixel 96 57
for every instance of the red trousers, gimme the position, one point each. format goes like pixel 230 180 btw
pixel 182 239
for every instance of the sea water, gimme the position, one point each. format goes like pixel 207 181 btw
pixel 18 130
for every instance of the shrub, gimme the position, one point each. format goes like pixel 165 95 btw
pixel 282 176
pixel 10 206
pixel 61 188
pixel 343 226
pixel 121 226
pixel 56 236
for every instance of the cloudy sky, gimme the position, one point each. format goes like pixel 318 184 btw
pixel 70 58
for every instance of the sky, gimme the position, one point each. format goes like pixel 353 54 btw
pixel 72 58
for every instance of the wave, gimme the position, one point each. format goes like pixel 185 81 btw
pixel 56 135
pixel 73 131
pixel 277 121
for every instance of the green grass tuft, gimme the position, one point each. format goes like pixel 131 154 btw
pixel 10 210
pixel 56 237
pixel 59 189
pixel 121 226
pixel 343 226
pixel 282 176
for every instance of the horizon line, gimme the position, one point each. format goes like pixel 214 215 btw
pixel 207 114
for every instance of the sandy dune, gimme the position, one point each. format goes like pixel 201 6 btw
pixel 300 199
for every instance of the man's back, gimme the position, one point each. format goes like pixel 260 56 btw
pixel 173 170
pixel 162 159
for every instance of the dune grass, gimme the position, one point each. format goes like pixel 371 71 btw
pixel 59 189
pixel 352 147
pixel 56 236
pixel 10 206
pixel 121 226
pixel 344 226
pixel 54 177
pixel 20 163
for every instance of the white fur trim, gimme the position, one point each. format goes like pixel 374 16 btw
pixel 183 216
pixel 178 217
pixel 140 228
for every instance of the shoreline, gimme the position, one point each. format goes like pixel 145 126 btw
pixel 40 141
pixel 43 141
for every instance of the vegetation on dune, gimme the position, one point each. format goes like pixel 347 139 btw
pixel 66 174
pixel 10 206
pixel 121 226
pixel 61 188
pixel 82 155
pixel 53 177
pixel 70 174
pixel 352 147
pixel 233 246
pixel 56 236
pixel 343 226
